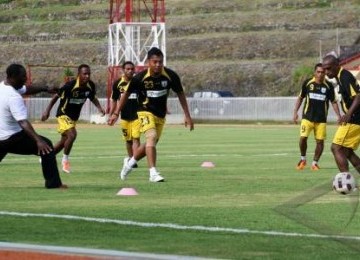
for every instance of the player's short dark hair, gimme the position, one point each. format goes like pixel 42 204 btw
pixel 154 52
pixel 14 70
pixel 332 59
pixel 127 63
pixel 83 66
pixel 317 65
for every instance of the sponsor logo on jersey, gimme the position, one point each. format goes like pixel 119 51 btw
pixel 156 93
pixel 77 101
pixel 316 96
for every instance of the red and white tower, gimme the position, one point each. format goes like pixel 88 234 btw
pixel 135 26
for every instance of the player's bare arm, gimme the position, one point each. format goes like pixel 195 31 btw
pixel 99 107
pixel 46 113
pixel 31 90
pixel 355 104
pixel 336 110
pixel 115 115
pixel 188 120
pixel 113 105
pixel 296 109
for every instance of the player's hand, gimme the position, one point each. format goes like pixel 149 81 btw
pixel 52 89
pixel 295 118
pixel 112 119
pixel 345 119
pixel 43 147
pixel 45 116
pixel 338 120
pixel 102 112
pixel 189 122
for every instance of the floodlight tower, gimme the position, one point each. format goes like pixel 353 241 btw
pixel 134 27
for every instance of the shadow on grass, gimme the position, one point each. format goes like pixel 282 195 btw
pixel 290 209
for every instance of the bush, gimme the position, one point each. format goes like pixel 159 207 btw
pixel 302 73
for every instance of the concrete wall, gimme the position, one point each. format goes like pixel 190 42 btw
pixel 239 108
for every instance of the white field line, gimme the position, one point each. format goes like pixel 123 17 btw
pixel 102 253
pixel 177 227
pixel 17 158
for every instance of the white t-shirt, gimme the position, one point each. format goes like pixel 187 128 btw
pixel 12 110
pixel 22 91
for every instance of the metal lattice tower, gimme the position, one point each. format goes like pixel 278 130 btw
pixel 135 26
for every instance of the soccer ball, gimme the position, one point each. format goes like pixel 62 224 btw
pixel 344 183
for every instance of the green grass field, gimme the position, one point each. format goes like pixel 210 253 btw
pixel 252 205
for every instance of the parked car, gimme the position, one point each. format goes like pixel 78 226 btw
pixel 210 102
pixel 212 94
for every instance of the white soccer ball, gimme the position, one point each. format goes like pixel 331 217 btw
pixel 344 183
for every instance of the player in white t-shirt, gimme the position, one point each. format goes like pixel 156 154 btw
pixel 17 135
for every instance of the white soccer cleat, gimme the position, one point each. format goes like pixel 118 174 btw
pixel 125 169
pixel 156 177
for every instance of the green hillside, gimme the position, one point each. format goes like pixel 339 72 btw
pixel 252 48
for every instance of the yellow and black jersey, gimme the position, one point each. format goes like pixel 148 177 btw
pixel 72 98
pixel 317 97
pixel 129 111
pixel 153 91
pixel 348 88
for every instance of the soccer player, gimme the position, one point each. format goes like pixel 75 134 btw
pixel 17 135
pixel 153 86
pixel 317 93
pixel 129 123
pixel 72 96
pixel 347 136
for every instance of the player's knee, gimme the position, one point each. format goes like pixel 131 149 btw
pixel 318 141
pixel 335 148
pixel 71 134
pixel 151 137
pixel 303 139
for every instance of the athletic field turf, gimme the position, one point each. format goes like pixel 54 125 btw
pixel 252 205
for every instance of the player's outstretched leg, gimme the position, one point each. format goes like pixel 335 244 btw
pixel 126 169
